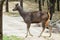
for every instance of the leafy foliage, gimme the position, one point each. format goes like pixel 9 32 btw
pixel 5 37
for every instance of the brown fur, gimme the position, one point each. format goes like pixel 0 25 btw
pixel 47 22
pixel 34 17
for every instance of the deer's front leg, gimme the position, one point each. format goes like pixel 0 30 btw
pixel 28 26
pixel 43 26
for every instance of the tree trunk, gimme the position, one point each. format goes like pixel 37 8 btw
pixel 35 0
pixel 40 8
pixel 43 2
pixel 1 9
pixel 7 7
pixel 57 5
pixel 51 4
pixel 21 3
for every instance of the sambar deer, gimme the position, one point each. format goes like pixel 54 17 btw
pixel 34 17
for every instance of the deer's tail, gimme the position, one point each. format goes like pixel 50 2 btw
pixel 48 16
pixel 48 20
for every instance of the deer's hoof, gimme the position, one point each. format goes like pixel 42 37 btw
pixel 26 36
pixel 39 36
pixel 50 36
pixel 31 35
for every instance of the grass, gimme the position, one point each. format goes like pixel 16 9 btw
pixel 5 37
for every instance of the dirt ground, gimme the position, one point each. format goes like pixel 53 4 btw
pixel 14 25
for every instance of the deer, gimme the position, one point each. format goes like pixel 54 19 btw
pixel 34 17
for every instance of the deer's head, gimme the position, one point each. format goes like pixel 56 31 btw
pixel 16 7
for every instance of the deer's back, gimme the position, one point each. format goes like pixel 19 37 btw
pixel 35 17
pixel 38 16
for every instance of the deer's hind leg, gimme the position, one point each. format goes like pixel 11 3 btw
pixel 50 30
pixel 49 26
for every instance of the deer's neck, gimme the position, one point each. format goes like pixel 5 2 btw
pixel 21 12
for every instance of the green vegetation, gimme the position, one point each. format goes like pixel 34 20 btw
pixel 5 37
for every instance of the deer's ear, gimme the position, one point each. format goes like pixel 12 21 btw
pixel 17 4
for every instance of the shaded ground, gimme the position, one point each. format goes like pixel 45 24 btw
pixel 13 25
